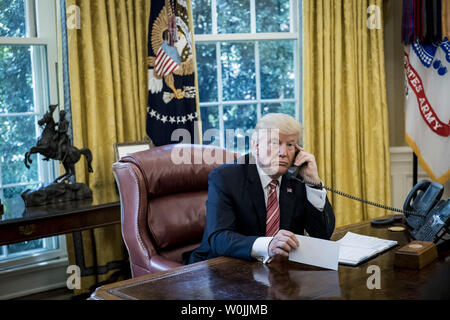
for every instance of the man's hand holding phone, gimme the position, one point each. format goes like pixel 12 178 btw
pixel 308 171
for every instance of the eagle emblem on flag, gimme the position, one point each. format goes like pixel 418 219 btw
pixel 180 55
pixel 172 101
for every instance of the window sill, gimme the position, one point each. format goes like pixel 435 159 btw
pixel 33 278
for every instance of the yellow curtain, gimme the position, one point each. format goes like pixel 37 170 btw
pixel 108 87
pixel 345 111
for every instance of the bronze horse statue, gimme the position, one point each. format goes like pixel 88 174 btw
pixel 48 147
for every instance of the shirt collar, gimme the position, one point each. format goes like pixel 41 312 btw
pixel 265 179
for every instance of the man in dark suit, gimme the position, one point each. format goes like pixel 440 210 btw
pixel 255 208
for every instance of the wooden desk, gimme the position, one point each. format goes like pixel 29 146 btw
pixel 227 278
pixel 19 223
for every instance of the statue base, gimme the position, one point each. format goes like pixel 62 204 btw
pixel 55 193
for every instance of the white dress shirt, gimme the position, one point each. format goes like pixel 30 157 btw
pixel 317 197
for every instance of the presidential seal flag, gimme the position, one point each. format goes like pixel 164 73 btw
pixel 172 100
pixel 427 72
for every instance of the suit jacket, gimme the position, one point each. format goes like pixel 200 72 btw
pixel 236 212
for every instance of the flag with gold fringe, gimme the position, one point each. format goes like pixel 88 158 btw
pixel 428 106
pixel 172 100
pixel 427 64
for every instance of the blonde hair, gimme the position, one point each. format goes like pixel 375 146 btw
pixel 285 123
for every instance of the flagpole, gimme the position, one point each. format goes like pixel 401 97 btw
pixel 414 169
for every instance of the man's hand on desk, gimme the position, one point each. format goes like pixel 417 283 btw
pixel 282 243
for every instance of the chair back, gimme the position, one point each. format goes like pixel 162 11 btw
pixel 163 192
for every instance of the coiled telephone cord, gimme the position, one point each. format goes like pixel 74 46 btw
pixel 321 185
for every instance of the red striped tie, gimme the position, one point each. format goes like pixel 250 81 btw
pixel 273 210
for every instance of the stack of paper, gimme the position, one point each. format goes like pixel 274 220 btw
pixel 355 248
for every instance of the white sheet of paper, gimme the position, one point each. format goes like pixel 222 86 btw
pixel 316 252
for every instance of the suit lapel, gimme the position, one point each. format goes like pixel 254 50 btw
pixel 256 193
pixel 287 202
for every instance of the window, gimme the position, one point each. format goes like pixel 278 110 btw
pixel 28 62
pixel 248 64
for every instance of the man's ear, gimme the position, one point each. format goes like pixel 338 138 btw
pixel 255 148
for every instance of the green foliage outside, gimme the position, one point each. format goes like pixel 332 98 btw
pixel 238 65
pixel 17 133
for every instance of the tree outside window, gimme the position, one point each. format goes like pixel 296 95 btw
pixel 24 96
pixel 248 63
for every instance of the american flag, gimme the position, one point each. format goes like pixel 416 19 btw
pixel 167 60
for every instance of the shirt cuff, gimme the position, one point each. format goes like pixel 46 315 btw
pixel 316 197
pixel 260 249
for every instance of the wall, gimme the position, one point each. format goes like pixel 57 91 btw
pixel 395 84
pixel 402 176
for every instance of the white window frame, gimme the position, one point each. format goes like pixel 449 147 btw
pixel 36 256
pixel 294 34
pixel 45 64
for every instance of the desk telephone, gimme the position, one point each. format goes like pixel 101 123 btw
pixel 427 216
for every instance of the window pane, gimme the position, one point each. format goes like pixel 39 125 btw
pixel 23 78
pixel 17 250
pixel 272 15
pixel 280 107
pixel 25 246
pixel 277 69
pixel 210 124
pixel 17 136
pixel 238 70
pixel 243 117
pixel 233 16
pixel 201 10
pixel 15 192
pixel 207 71
pixel 16 71
pixel 12 18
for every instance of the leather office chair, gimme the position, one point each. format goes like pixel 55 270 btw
pixel 163 203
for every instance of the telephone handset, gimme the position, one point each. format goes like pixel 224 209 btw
pixel 294 170
pixel 432 221
pixel 427 216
